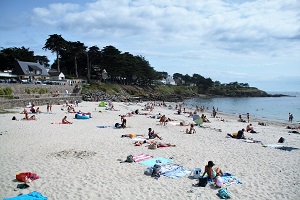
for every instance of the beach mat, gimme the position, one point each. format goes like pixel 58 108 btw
pixel 56 123
pixel 285 148
pixel 31 196
pixel 151 162
pixel 172 170
pixel 142 157
pixel 228 178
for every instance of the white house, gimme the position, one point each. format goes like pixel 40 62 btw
pixel 55 75
pixel 170 80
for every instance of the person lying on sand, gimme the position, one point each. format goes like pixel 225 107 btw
pixel 153 142
pixel 131 135
pixel 239 135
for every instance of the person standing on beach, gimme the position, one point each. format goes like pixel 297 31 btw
pixel 248 117
pixel 291 117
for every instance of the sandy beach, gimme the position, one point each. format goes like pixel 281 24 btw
pixel 80 160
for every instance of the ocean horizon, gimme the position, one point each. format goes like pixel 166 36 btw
pixel 268 108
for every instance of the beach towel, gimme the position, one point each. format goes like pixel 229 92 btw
pixel 272 145
pixel 139 138
pixel 228 179
pixel 152 161
pixel 56 123
pixel 251 141
pixel 142 157
pixel 286 148
pixel 31 196
pixel 102 126
pixel 172 170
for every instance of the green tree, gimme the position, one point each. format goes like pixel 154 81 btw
pixel 9 55
pixel 110 57
pixel 76 50
pixel 55 43
pixel 93 62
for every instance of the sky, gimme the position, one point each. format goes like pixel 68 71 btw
pixel 248 41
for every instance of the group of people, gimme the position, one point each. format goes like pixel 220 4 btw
pixel 25 112
pixel 214 174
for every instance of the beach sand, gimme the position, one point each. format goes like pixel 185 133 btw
pixel 80 160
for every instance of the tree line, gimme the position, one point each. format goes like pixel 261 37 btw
pixel 76 60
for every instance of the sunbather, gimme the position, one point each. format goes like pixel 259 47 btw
pixel 211 172
pixel 131 135
pixel 65 121
pixel 191 131
pixel 152 135
pixel 239 135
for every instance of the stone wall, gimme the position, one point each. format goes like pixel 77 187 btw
pixel 21 91
pixel 23 94
pixel 13 103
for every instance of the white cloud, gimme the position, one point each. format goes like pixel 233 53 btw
pixel 216 38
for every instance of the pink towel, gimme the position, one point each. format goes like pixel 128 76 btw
pixel 56 123
pixel 142 157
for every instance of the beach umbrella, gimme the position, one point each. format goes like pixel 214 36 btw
pixel 195 117
pixel 199 121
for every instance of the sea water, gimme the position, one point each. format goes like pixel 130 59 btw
pixel 270 108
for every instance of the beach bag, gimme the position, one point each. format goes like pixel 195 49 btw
pixel 152 146
pixel 281 140
pixel 156 169
pixel 14 118
pixel 129 159
pixel 26 176
pixel 202 181
pixel 117 125
pixel 196 173
pixel 149 171
pixel 223 193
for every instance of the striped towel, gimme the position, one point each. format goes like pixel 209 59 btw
pixel 141 157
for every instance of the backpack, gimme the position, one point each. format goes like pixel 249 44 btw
pixel 223 193
pixel 117 125
pixel 129 159
pixel 202 181
pixel 281 140
pixel 149 171
pixel 14 118
pixel 156 169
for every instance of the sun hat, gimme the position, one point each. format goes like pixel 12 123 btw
pixel 210 163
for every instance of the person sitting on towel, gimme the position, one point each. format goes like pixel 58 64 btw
pixel 152 135
pixel 211 172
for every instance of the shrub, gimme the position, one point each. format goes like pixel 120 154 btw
pixel 2 92
pixel 27 91
pixel 42 91
pixel 7 91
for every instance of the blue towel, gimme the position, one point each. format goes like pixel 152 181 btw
pixel 151 162
pixel 179 172
pixel 228 178
pixel 102 126
pixel 31 196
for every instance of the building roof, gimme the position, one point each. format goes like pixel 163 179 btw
pixel 26 67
